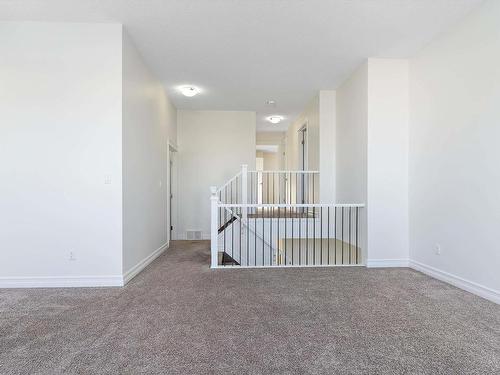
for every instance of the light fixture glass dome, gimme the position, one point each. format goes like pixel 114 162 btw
pixel 189 91
pixel 275 119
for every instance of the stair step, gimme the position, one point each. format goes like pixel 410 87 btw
pixel 226 259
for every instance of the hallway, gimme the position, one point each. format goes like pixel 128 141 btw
pixel 180 317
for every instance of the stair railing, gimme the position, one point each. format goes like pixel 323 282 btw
pixel 276 216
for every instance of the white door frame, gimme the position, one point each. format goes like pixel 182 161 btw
pixel 283 166
pixel 303 136
pixel 172 192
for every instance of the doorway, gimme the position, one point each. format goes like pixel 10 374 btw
pixel 172 192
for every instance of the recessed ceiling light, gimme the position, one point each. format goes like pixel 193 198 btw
pixel 189 91
pixel 274 119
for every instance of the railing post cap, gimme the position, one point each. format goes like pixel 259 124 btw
pixel 213 190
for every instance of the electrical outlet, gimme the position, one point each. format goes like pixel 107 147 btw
pixel 437 249
pixel 72 256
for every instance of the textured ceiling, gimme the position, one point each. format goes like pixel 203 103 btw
pixel 242 52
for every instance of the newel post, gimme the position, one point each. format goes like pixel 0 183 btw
pixel 213 227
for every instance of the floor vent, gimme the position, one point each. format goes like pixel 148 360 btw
pixel 193 234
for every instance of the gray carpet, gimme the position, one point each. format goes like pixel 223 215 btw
pixel 179 317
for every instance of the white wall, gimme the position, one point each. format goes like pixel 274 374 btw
pixel 212 147
pixel 454 152
pixel 309 117
pixel 273 160
pixel 352 138
pixel 387 158
pixel 149 122
pixel 326 144
pixel 372 156
pixel 269 138
pixel 271 183
pixel 351 145
pixel 320 118
pixel 60 142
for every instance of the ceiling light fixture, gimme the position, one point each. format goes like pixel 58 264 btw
pixel 274 119
pixel 189 91
pixel 271 102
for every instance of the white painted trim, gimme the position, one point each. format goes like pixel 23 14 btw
pixel 284 172
pixel 470 286
pixel 80 281
pixel 228 267
pixel 304 128
pixel 385 263
pixel 135 270
pixel 61 281
pixel 172 234
pixel 227 183
pixel 283 205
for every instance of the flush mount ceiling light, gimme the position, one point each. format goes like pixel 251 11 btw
pixel 271 102
pixel 274 119
pixel 189 91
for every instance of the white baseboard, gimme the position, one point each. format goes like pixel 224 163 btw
pixel 80 281
pixel 135 270
pixel 459 282
pixel 384 263
pixel 61 281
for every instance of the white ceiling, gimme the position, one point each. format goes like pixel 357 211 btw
pixel 242 52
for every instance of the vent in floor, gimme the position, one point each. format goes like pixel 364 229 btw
pixel 193 234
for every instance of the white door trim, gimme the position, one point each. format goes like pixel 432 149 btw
pixel 172 212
